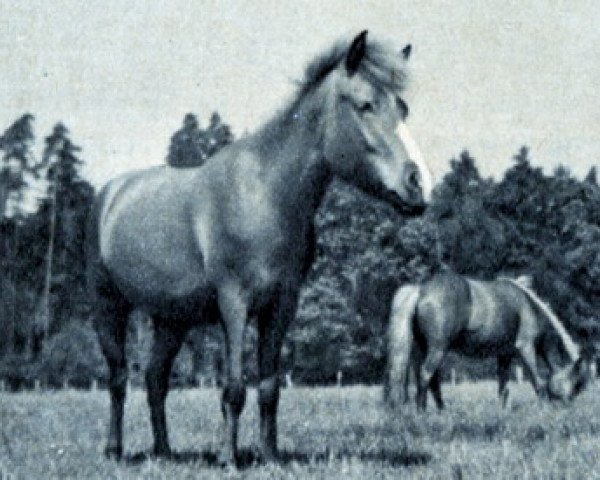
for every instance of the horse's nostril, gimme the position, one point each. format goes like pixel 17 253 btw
pixel 413 179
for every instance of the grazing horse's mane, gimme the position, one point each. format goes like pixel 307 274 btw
pixel 524 284
pixel 381 65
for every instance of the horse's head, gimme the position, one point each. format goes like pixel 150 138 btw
pixel 569 368
pixel 568 382
pixel 367 142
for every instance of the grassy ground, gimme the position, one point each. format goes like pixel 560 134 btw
pixel 324 433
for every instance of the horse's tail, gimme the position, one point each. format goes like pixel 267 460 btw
pixel 400 342
pixel 524 284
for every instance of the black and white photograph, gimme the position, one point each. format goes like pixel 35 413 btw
pixel 299 240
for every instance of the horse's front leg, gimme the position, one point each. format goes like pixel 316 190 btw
pixel 503 376
pixel 526 350
pixel 431 364
pixel 272 326
pixel 233 305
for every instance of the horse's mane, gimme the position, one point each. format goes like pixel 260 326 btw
pixel 525 281
pixel 524 284
pixel 381 65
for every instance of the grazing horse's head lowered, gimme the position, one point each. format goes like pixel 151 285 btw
pixel 502 318
pixel 365 139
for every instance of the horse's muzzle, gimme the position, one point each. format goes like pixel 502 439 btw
pixel 404 207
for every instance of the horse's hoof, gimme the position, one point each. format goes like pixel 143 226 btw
pixel 113 453
pixel 226 460
pixel 269 455
pixel 162 452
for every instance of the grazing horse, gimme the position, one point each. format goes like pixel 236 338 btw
pixel 502 318
pixel 234 238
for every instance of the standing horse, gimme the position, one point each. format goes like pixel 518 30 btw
pixel 502 318
pixel 234 238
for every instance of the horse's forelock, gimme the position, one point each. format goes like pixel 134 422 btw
pixel 381 65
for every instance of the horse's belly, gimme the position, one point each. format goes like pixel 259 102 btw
pixel 158 263
pixel 484 344
pixel 150 280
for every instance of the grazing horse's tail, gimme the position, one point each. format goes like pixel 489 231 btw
pixel 400 341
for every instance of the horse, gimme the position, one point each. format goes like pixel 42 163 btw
pixel 234 239
pixel 501 318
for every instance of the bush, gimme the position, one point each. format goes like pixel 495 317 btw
pixel 72 355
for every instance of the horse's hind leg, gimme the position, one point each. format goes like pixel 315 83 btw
pixel 436 389
pixel 431 364
pixel 168 337
pixel 503 376
pixel 110 323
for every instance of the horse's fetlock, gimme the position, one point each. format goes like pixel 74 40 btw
pixel 234 394
pixel 268 392
pixel 118 379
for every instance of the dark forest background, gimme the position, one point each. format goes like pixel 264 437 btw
pixel 526 222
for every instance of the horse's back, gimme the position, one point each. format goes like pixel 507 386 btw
pixel 488 320
pixel 470 315
pixel 443 307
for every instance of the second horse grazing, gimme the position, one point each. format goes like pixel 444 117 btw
pixel 502 318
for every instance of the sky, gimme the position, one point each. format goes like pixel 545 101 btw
pixel 487 76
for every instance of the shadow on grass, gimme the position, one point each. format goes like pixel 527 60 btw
pixel 248 458
pixel 487 431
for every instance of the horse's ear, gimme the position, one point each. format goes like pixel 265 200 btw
pixel 356 52
pixel 405 52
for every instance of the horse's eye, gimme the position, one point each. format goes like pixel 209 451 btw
pixel 366 107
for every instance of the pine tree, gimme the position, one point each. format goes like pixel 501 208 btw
pixel 592 176
pixel 66 207
pixel 17 162
pixel 191 146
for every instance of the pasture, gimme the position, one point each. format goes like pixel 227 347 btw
pixel 324 433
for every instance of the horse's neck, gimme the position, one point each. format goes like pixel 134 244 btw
pixel 293 155
pixel 555 352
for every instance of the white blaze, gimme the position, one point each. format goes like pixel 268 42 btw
pixel 414 153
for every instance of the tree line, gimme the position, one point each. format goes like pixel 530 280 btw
pixel 545 225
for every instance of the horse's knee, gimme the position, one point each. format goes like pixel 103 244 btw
pixel 234 395
pixel 118 380
pixel 426 376
pixel 152 378
pixel 157 379
pixel 268 394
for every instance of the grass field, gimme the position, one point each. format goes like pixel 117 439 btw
pixel 324 433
